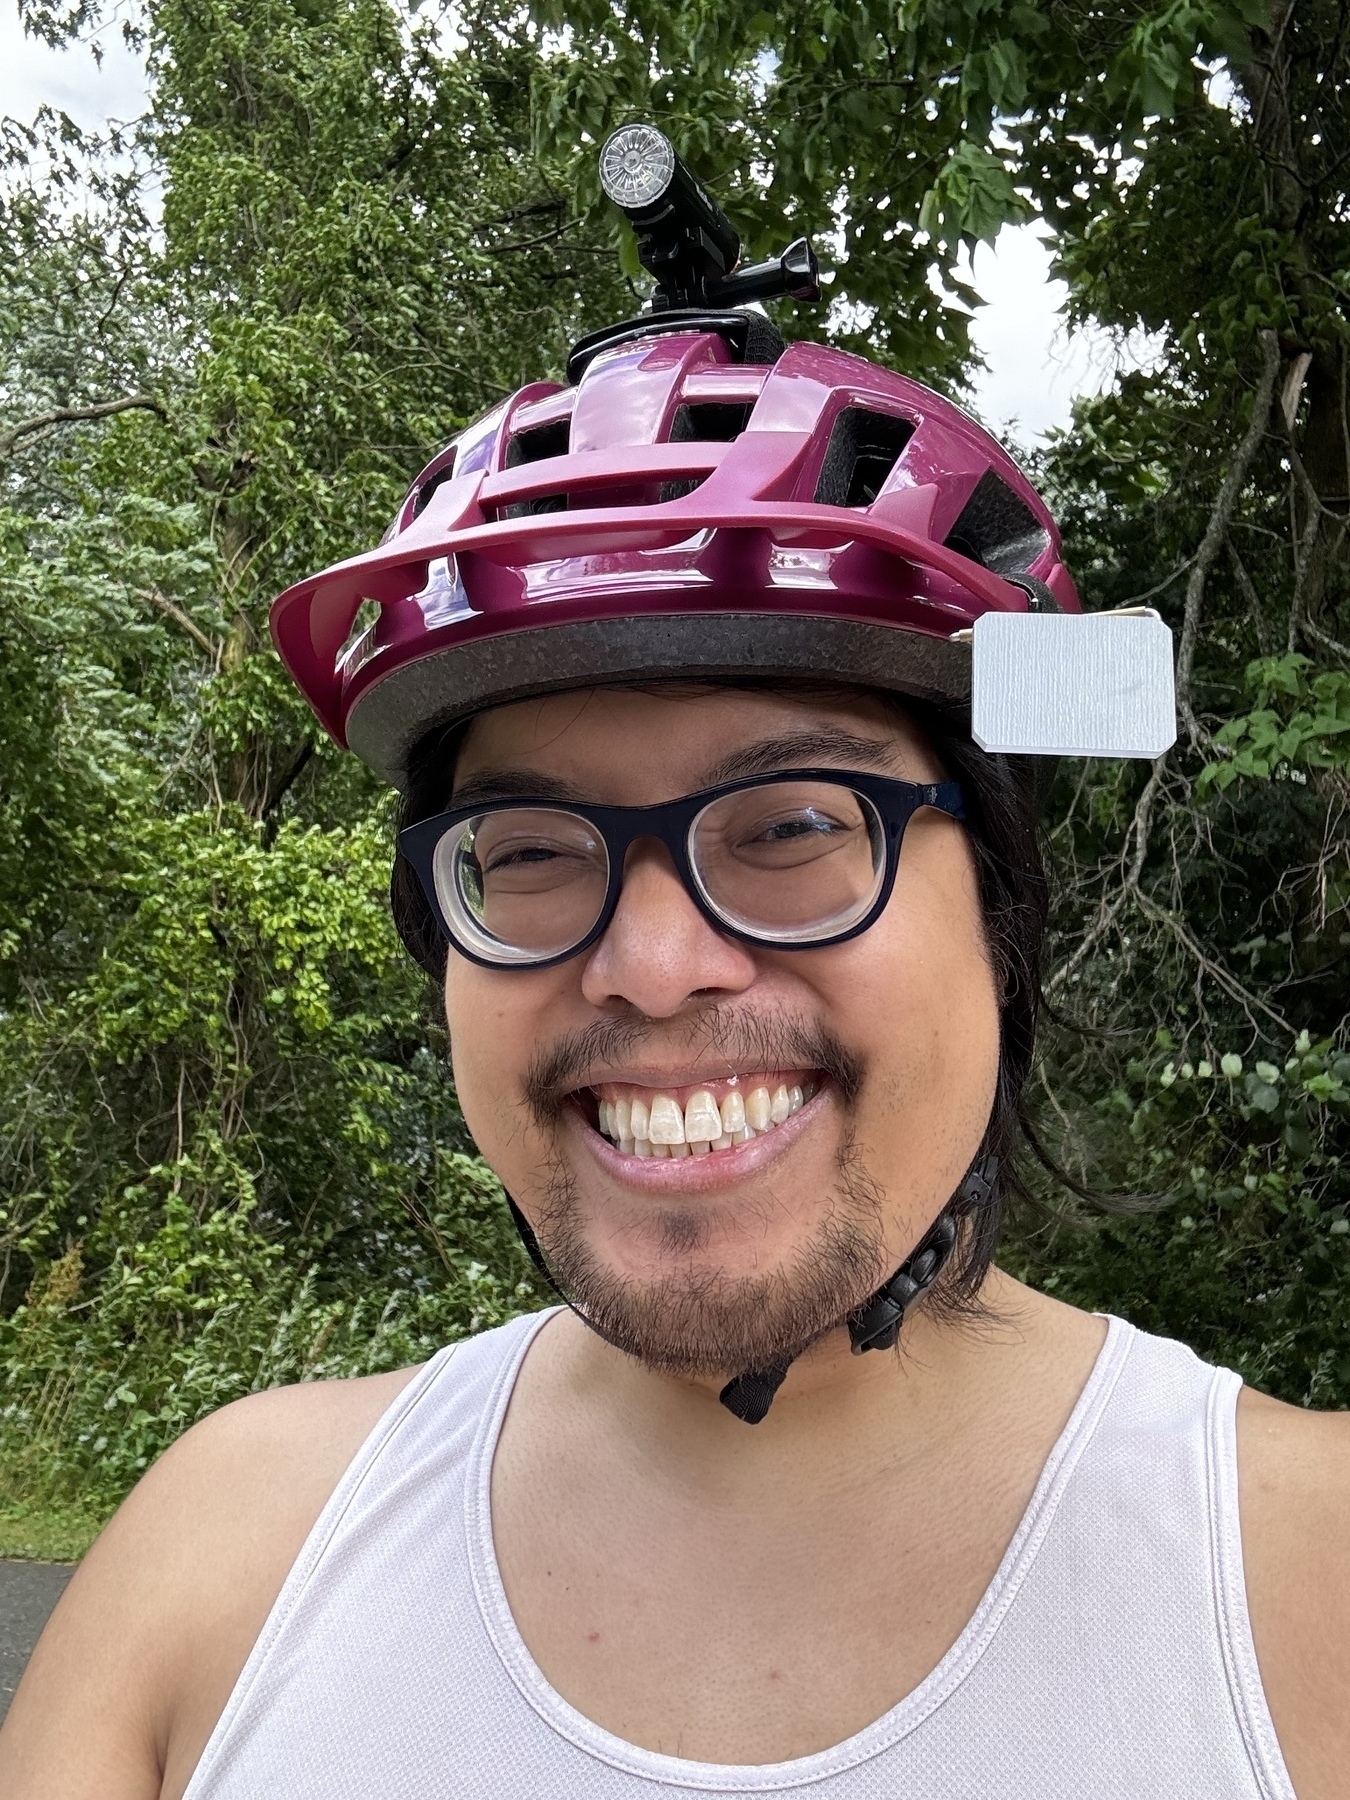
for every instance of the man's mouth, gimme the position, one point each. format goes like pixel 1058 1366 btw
pixel 699 1119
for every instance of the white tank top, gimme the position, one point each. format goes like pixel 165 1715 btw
pixel 1111 1656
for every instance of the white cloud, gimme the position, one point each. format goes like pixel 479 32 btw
pixel 70 79
pixel 1037 366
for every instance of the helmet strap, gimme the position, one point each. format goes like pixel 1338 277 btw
pixel 876 1324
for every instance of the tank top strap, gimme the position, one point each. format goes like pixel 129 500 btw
pixel 397 1477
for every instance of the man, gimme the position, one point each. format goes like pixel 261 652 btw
pixel 739 936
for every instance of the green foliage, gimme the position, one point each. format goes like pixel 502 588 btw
pixel 193 1305
pixel 900 135
pixel 1201 923
pixel 230 1153
pixel 1251 1263
pixel 1299 722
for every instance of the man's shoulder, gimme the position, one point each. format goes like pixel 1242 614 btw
pixel 1294 1498
pixel 248 1482
pixel 1294 1467
pixel 261 1468
pixel 158 1621
pixel 298 1422
pixel 1300 1440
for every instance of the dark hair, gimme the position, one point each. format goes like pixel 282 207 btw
pixel 1002 796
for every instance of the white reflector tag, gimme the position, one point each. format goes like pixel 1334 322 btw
pixel 1073 684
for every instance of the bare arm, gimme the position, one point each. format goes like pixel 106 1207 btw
pixel 141 1654
pixel 1295 1501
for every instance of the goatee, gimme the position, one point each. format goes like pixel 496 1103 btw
pixel 700 1321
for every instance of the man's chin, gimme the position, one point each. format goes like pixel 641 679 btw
pixel 700 1311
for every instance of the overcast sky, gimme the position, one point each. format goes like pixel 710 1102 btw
pixel 1035 367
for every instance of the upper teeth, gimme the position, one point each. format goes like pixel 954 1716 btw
pixel 660 1127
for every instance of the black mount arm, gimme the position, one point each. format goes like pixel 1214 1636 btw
pixel 685 241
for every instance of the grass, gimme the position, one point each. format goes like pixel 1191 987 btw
pixel 43 1530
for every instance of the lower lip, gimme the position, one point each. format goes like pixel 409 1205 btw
pixel 694 1174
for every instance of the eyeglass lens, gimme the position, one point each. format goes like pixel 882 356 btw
pixel 787 862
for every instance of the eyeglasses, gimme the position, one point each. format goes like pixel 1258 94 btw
pixel 790 861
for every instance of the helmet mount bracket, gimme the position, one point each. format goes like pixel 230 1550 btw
pixel 686 243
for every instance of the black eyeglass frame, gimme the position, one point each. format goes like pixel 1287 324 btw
pixel 670 823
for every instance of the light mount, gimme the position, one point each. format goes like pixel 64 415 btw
pixel 685 241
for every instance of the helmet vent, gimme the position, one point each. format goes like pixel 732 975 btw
pixel 422 498
pixel 707 422
pixel 534 446
pixel 713 422
pixel 863 449
pixel 997 529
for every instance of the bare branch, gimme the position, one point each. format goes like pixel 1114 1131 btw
pixel 1139 829
pixel 1292 391
pixel 42 424
pixel 1207 965
pixel 1325 639
pixel 162 603
pixel 1166 582
pixel 1217 529
pixel 1248 589
pixel 287 781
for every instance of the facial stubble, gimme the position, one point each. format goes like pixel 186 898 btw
pixel 695 1319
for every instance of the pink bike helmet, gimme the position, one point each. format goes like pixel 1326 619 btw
pixel 696 501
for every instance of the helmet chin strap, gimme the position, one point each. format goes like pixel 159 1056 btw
pixel 875 1325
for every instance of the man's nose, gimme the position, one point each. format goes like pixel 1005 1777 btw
pixel 658 951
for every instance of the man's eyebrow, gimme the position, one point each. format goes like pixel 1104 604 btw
pixel 803 749
pixel 795 750
pixel 512 784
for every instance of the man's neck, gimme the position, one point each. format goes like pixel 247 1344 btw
pixel 951 1375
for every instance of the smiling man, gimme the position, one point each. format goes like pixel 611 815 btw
pixel 739 936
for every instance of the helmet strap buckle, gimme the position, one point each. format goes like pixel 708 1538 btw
pixel 873 1326
pixel 876 1324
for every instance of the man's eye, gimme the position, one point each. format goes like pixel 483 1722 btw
pixel 523 855
pixel 799 825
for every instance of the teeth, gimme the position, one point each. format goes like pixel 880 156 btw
pixel 758 1109
pixel 666 1124
pixel 660 1127
pixel 702 1120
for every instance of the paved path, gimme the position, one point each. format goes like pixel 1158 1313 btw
pixel 28 1592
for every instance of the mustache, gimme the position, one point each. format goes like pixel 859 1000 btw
pixel 747 1040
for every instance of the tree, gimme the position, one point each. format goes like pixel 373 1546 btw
pixel 231 1153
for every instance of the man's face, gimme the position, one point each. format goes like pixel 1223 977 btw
pixel 712 1262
